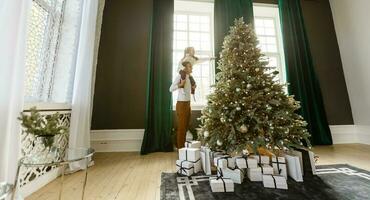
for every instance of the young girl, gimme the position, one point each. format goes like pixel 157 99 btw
pixel 189 55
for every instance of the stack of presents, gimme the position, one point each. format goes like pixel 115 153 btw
pixel 271 170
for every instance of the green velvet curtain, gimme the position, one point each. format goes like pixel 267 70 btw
pixel 158 119
pixel 300 72
pixel 225 12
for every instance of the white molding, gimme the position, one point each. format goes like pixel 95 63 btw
pixel 344 134
pixel 129 140
pixel 363 134
pixel 117 140
pixel 39 182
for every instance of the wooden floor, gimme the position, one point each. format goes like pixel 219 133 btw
pixel 134 177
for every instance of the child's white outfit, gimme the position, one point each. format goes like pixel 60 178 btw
pixel 192 60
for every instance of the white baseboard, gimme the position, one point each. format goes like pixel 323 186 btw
pixel 117 140
pixel 38 183
pixel 344 134
pixel 129 140
pixel 363 134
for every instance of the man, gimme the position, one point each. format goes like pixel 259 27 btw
pixel 183 109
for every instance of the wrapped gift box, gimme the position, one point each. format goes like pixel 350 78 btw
pixel 255 174
pixel 197 166
pixel 294 168
pixel 206 162
pixel 307 159
pixel 221 162
pixel 189 154
pixel 262 159
pixel 246 162
pixel 236 175
pixel 184 167
pixel 216 154
pixel 224 162
pixel 279 165
pixel 193 144
pixel 221 184
pixel 274 181
pixel 207 159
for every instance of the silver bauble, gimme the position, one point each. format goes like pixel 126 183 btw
pixel 206 134
pixel 243 128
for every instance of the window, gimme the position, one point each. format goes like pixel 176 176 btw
pixel 268 31
pixel 193 26
pixel 48 78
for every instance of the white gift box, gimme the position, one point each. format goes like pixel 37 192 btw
pixel 193 144
pixel 197 166
pixel 189 154
pixel 307 159
pixel 246 162
pixel 274 181
pixel 262 159
pixel 266 169
pixel 279 165
pixel 184 167
pixel 294 169
pixel 224 162
pixel 236 175
pixel 255 174
pixel 206 162
pixel 221 162
pixel 221 184
pixel 216 154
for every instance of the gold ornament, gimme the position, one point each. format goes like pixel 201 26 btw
pixel 243 128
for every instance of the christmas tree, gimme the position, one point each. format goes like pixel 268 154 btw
pixel 248 108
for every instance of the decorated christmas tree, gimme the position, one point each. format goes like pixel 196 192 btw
pixel 248 108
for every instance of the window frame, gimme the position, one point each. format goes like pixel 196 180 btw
pixel 210 53
pixel 278 35
pixel 48 63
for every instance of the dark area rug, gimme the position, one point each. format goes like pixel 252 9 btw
pixel 342 182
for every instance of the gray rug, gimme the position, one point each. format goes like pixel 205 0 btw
pixel 339 182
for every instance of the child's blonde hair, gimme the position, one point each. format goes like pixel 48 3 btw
pixel 187 51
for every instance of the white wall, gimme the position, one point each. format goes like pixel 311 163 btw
pixel 352 25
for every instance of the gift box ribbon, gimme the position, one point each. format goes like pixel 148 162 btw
pixel 273 178
pixel 187 143
pixel 278 164
pixel 220 176
pixel 214 152
pixel 182 168
pixel 186 157
pixel 227 162
pixel 244 157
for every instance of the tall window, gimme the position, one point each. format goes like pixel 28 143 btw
pixel 49 73
pixel 267 27
pixel 193 26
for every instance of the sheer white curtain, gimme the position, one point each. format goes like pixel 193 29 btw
pixel 83 83
pixel 13 23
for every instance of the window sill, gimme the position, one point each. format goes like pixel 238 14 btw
pixel 48 106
